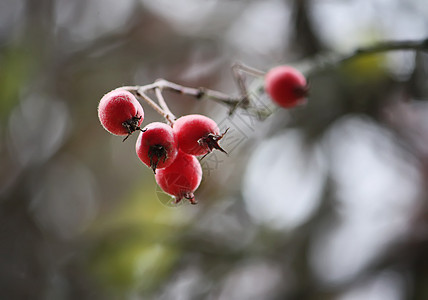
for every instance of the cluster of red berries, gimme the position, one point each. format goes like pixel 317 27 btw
pixel 170 151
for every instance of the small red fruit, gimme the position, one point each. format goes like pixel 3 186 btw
pixel 197 134
pixel 181 178
pixel 286 86
pixel 156 146
pixel 120 112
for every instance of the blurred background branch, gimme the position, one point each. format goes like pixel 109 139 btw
pixel 419 45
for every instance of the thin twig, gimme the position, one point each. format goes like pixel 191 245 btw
pixel 169 115
pixel 240 81
pixel 238 70
pixel 198 93
pixel 247 69
pixel 141 95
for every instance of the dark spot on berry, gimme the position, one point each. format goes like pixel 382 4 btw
pixel 191 198
pixel 131 125
pixel 210 142
pixel 301 91
pixel 188 196
pixel 156 154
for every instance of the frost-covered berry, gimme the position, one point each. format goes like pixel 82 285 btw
pixel 197 134
pixel 286 86
pixel 181 178
pixel 156 146
pixel 120 113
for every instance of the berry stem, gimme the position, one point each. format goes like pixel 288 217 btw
pixel 169 115
pixel 150 102
pixel 140 94
pixel 240 82
pixel 239 70
pixel 247 69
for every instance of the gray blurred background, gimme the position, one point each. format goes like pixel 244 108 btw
pixel 325 201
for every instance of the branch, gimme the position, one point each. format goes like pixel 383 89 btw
pixel 421 45
pixel 243 101
pixel 198 93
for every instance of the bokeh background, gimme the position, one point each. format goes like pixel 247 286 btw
pixel 325 201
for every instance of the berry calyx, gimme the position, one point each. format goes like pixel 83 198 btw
pixel 156 146
pixel 120 113
pixel 181 178
pixel 197 134
pixel 286 86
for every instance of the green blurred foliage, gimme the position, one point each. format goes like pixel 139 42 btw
pixel 17 66
pixel 365 69
pixel 134 249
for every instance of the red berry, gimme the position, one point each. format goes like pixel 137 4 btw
pixel 181 178
pixel 197 134
pixel 156 146
pixel 120 112
pixel 286 86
